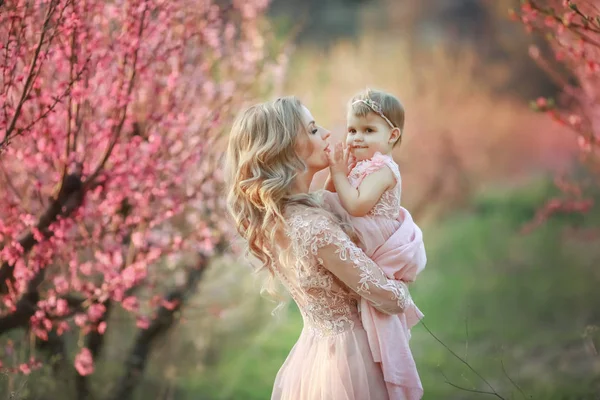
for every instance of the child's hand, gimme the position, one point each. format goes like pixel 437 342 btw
pixel 351 160
pixel 338 160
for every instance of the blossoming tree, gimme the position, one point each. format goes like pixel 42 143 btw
pixel 110 126
pixel 572 30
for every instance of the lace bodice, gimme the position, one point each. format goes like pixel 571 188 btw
pixel 388 205
pixel 326 273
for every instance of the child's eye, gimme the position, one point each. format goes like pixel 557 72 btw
pixel 351 131
pixel 369 130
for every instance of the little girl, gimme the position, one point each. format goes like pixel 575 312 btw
pixel 368 186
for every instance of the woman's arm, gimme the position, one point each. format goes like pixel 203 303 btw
pixel 317 235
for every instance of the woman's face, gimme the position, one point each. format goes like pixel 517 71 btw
pixel 314 153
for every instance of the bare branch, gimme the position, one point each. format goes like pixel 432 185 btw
pixel 467 337
pixel 164 320
pixel 511 380
pixel 471 390
pixel 31 75
pixel 119 128
pixel 95 343
pixel 72 61
pixel 26 306
pixel 56 350
pixel 69 198
pixel 461 360
pixel 57 99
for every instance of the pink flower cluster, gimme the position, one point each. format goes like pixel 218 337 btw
pixel 110 125
pixel 573 31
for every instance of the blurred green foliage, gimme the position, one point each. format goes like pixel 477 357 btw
pixel 495 296
pixel 512 305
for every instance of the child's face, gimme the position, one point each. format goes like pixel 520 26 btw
pixel 368 135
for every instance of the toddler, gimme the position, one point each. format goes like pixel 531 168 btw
pixel 368 186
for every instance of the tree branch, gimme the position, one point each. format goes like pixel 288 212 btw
pixel 165 319
pixel 57 99
pixel 69 198
pixel 471 390
pixel 119 128
pixel 26 306
pixel 56 351
pixel 493 391
pixel 31 75
pixel 95 343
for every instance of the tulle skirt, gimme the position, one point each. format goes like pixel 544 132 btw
pixel 337 367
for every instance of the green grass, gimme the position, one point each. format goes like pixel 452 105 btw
pixel 491 294
pixel 496 296
pixel 247 370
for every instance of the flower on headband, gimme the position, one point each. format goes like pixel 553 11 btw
pixel 376 107
pixel 373 105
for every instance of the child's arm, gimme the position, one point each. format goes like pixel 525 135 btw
pixel 358 202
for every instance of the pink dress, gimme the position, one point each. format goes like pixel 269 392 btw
pixel 327 274
pixel 389 237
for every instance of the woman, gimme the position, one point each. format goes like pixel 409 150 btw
pixel 275 149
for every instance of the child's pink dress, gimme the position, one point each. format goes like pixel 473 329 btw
pixel 389 237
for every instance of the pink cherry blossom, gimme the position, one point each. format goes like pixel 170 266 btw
pixel 96 311
pixel 110 148
pixel 25 369
pixel 84 364
pixel 130 304
pixel 143 322
pixel 573 33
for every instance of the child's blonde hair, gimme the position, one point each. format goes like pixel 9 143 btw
pixel 379 102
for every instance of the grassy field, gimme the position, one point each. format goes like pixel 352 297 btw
pixel 512 305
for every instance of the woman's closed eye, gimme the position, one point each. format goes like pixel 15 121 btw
pixel 314 131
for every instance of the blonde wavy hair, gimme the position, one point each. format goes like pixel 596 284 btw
pixel 261 165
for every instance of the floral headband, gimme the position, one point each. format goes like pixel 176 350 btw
pixel 373 105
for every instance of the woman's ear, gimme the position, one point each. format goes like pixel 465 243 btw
pixel 394 135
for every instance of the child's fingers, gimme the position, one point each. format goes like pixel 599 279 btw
pixel 339 152
pixel 330 155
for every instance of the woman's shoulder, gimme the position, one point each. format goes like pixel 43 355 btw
pixel 300 215
pixel 305 223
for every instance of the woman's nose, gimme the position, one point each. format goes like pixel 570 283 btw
pixel 326 134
